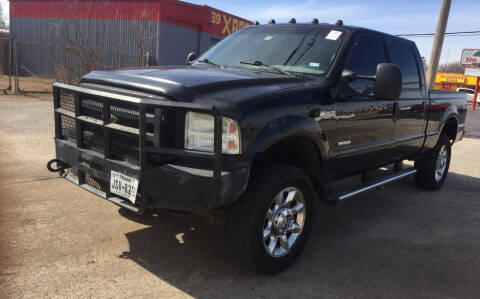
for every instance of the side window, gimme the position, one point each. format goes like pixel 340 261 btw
pixel 367 53
pixel 407 64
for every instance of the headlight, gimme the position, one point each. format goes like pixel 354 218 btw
pixel 199 132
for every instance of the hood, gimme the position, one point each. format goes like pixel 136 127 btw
pixel 231 91
pixel 187 83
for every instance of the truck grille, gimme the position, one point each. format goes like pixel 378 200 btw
pixel 92 108
pixel 121 123
pixel 68 127
pixel 67 100
pixel 92 137
pixel 124 147
pixel 102 130
pixel 125 115
pixel 96 183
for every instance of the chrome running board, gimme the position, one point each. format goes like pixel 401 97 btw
pixel 340 198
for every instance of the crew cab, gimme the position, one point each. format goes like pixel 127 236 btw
pixel 262 124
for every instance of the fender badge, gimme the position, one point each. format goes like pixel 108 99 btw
pixel 344 142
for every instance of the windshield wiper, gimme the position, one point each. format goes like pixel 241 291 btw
pixel 296 49
pixel 307 48
pixel 259 63
pixel 211 63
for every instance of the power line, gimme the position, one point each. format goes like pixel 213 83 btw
pixel 460 33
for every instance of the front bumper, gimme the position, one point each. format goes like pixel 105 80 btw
pixel 170 186
pixel 169 178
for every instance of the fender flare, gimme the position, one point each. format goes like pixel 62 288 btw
pixel 447 115
pixel 289 126
pixel 432 139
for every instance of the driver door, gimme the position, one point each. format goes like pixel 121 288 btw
pixel 364 125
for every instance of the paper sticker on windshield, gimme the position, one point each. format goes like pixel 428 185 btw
pixel 333 35
pixel 268 37
pixel 314 64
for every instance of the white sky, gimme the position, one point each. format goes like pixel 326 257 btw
pixel 5 10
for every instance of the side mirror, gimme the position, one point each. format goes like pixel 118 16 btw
pixel 191 57
pixel 388 83
pixel 348 76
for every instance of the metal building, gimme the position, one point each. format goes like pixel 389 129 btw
pixel 59 38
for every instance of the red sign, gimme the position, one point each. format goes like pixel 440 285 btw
pixel 197 17
pixel 470 56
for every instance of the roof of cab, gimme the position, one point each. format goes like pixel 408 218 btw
pixel 349 28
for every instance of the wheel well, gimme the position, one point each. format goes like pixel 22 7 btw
pixel 300 152
pixel 450 128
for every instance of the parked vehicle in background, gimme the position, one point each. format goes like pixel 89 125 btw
pixel 470 94
pixel 262 124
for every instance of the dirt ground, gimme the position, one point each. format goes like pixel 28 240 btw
pixel 30 84
pixel 58 240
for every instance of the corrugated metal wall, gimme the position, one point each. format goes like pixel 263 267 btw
pixel 55 47
pixel 42 43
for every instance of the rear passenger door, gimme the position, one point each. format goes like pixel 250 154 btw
pixel 409 110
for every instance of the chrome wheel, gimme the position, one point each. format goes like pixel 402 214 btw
pixel 441 164
pixel 284 222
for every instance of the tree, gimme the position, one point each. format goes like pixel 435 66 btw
pixel 452 67
pixel 80 46
pixel 424 62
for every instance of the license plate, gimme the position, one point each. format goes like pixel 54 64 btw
pixel 123 185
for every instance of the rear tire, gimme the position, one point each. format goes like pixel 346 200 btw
pixel 269 225
pixel 433 167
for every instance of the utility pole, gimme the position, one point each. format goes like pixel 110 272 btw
pixel 438 42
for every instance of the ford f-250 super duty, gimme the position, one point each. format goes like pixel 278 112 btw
pixel 261 124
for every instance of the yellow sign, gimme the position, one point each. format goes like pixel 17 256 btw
pixel 450 78
pixel 230 24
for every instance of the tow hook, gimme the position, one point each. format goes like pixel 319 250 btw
pixel 60 165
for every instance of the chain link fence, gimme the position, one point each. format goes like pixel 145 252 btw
pixel 36 65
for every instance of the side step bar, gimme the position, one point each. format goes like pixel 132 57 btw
pixel 340 198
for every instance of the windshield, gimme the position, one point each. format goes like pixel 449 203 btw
pixel 295 49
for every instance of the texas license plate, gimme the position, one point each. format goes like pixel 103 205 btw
pixel 123 185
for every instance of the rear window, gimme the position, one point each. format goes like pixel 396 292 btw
pixel 405 58
pixel 466 90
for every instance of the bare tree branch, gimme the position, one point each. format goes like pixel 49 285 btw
pixel 82 46
pixel 452 67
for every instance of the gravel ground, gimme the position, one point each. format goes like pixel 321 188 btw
pixel 58 240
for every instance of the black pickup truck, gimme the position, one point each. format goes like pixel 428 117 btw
pixel 261 124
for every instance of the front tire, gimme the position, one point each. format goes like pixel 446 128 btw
pixel 271 222
pixel 433 168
